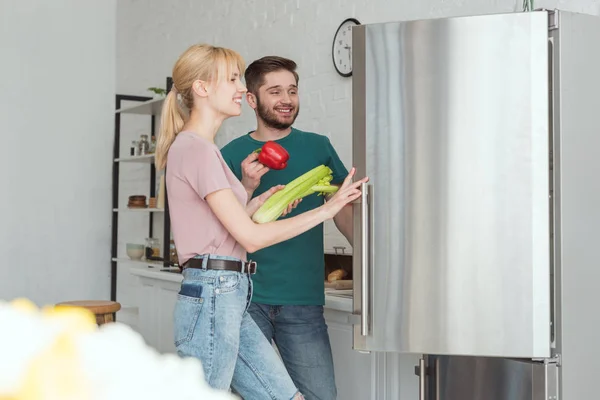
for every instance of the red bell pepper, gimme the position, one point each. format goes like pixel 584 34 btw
pixel 273 155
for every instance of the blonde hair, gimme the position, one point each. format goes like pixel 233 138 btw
pixel 200 61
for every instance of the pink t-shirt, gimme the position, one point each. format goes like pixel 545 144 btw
pixel 195 168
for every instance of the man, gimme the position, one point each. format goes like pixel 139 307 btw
pixel 288 297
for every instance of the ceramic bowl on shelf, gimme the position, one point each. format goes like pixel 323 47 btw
pixel 135 251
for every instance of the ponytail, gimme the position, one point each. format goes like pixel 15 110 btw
pixel 171 123
pixel 200 61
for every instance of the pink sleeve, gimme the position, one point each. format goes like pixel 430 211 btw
pixel 204 170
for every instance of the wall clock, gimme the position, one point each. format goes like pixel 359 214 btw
pixel 341 51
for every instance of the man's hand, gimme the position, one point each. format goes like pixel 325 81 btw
pixel 258 201
pixel 252 171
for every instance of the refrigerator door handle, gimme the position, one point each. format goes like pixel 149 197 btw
pixel 422 378
pixel 365 260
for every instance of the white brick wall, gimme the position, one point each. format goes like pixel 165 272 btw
pixel 151 35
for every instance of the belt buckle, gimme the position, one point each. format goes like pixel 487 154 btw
pixel 251 267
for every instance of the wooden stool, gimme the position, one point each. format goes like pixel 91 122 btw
pixel 103 310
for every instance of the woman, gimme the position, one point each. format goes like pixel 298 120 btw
pixel 212 228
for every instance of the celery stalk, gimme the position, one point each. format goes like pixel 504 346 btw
pixel 323 189
pixel 298 188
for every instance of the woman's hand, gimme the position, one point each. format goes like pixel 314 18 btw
pixel 290 207
pixel 346 194
pixel 254 204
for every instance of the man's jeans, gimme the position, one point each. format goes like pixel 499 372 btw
pixel 212 324
pixel 300 333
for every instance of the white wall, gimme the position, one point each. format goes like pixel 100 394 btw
pixel 152 34
pixel 57 85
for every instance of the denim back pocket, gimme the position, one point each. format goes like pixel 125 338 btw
pixel 227 283
pixel 187 312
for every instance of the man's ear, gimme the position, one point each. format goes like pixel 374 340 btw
pixel 251 99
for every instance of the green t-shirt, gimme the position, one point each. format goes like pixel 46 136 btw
pixel 291 272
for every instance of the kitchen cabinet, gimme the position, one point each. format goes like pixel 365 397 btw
pixel 156 312
pixel 355 373
pixel 359 376
pixel 373 376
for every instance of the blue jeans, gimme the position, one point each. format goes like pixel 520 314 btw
pixel 212 324
pixel 300 333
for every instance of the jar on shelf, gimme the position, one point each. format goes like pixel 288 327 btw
pixel 173 254
pixel 143 145
pixel 152 249
pixel 153 145
pixel 133 151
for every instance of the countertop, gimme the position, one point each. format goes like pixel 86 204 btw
pixel 170 275
pixel 332 302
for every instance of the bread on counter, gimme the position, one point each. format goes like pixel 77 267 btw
pixel 337 275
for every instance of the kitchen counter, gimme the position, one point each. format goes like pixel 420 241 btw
pixel 359 376
pixel 332 302
pixel 171 275
pixel 338 303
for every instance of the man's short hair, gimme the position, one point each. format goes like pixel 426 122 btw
pixel 256 71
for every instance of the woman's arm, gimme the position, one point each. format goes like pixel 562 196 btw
pixel 253 236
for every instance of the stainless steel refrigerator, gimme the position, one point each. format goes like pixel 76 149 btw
pixel 477 238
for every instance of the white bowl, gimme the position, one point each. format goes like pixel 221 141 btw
pixel 135 252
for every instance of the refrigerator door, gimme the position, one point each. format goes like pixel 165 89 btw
pixel 482 378
pixel 452 234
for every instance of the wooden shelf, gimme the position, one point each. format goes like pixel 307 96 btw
pixel 139 210
pixel 146 108
pixel 150 107
pixel 146 159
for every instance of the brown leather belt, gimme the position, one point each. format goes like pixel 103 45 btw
pixel 223 265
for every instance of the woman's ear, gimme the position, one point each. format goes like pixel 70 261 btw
pixel 251 99
pixel 200 88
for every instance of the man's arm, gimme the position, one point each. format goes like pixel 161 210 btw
pixel 343 219
pixel 344 222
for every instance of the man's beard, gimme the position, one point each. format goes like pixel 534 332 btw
pixel 270 119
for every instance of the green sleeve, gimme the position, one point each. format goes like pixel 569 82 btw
pixel 337 166
pixel 233 166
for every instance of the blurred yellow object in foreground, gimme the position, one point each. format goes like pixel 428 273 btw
pixel 56 373
pixel 59 353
